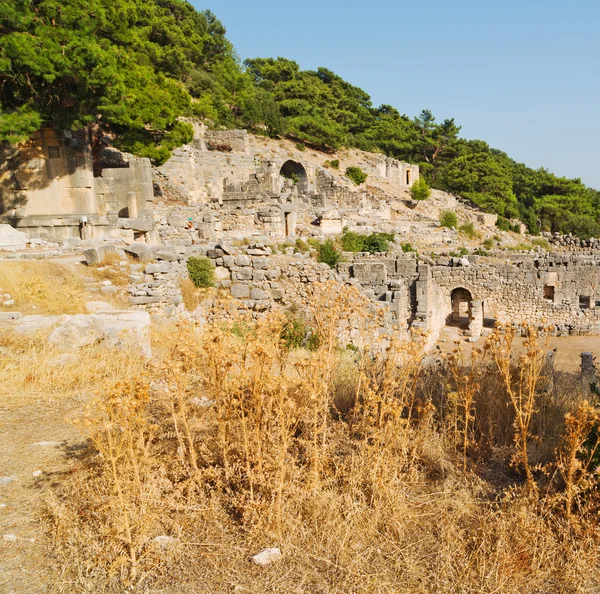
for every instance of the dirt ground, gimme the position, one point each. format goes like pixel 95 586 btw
pixel 33 437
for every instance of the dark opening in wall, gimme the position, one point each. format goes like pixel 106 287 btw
pixel 549 293
pixel 584 302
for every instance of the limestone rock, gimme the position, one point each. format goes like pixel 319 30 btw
pixel 140 251
pixel 79 331
pixel 240 291
pixel 267 556
pixel 98 306
pixel 11 239
pixel 95 255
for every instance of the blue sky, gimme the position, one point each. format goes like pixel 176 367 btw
pixel 523 76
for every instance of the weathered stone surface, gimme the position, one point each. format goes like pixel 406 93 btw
pixel 97 254
pixel 77 332
pixel 98 306
pixel 140 251
pixel 257 294
pixel 11 239
pixel 10 315
pixel 267 556
pixel 240 291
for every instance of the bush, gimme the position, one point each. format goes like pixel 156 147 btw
pixel 356 242
pixel 328 253
pixel 420 190
pixel 202 272
pixel 541 242
pixel 357 175
pixel 407 247
pixel 335 164
pixel 301 246
pixel 469 230
pixel 448 219
pixel 301 147
pixel 463 251
pixel 488 243
pixel 506 225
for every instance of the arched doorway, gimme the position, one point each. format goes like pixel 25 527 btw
pixel 295 172
pixel 460 314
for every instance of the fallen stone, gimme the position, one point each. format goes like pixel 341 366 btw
pixel 266 556
pixel 166 255
pixel 108 290
pixel 163 541
pixel 63 359
pixel 77 332
pixel 96 255
pixel 98 306
pixel 140 251
pixel 227 249
pixel 11 239
pixel 10 315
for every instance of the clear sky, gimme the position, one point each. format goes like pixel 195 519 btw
pixel 522 75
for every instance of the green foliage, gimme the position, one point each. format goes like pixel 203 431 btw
pixel 469 230
pixel 301 147
pixel 420 190
pixel 407 247
pixel 373 243
pixel 328 253
pixel 301 246
pixel 201 271
pixel 134 67
pixel 357 175
pixel 541 243
pixel 481 252
pixel 506 225
pixel 448 219
pixel 463 251
pixel 297 333
pixel 335 164
pixel 488 243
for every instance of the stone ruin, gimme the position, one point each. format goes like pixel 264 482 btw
pixel 225 187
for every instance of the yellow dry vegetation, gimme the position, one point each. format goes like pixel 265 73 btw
pixel 42 287
pixel 370 472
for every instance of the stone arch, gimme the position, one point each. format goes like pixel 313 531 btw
pixel 295 171
pixel 460 307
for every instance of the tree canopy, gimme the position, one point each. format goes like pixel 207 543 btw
pixel 134 67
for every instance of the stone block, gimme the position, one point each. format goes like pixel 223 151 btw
pixel 240 291
pixel 258 294
pixel 96 255
pixel 167 255
pixel 242 261
pixel 140 251
pixel 158 268
pixel 370 272
pixel 214 254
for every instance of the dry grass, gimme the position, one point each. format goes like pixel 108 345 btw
pixel 359 465
pixel 42 287
pixel 111 269
pixel 31 369
pixel 192 295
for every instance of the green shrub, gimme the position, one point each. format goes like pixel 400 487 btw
pixel 202 271
pixel 352 241
pixel 301 246
pixel 378 242
pixel 335 164
pixel 420 190
pixel 301 147
pixel 541 242
pixel 488 243
pixel 328 253
pixel 407 247
pixel 463 251
pixel 313 242
pixel 373 243
pixel 296 333
pixel 481 252
pixel 506 225
pixel 469 230
pixel 448 219
pixel 357 175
